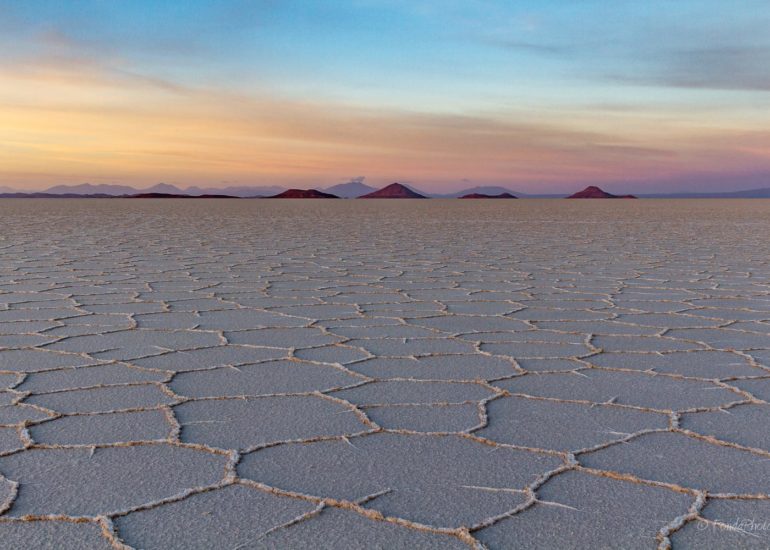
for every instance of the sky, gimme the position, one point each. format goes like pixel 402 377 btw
pixel 535 95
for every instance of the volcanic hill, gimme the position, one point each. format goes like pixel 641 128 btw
pixel 393 191
pixel 593 192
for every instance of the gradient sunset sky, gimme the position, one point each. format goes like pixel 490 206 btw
pixel 535 95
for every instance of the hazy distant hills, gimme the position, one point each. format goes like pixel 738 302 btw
pixel 348 190
pixel 761 193
pixel 487 190
pixel 165 188
pixel 99 189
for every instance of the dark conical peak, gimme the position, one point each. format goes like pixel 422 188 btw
pixel 393 191
pixel 303 194
pixel 593 192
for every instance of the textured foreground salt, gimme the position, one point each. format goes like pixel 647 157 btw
pixel 407 374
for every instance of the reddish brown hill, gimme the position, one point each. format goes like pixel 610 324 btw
pixel 303 194
pixel 593 192
pixel 483 196
pixel 393 191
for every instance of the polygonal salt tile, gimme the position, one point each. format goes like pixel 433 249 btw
pixel 440 294
pixel 52 535
pixel 762 328
pixel 168 320
pixel 101 429
pixel 736 532
pixel 331 354
pixel 624 388
pixel 77 482
pixel 45 314
pixel 525 336
pixel 736 425
pixel 651 306
pixel 319 311
pixel 456 324
pixel 598 327
pixel 643 343
pixel 562 426
pixel 332 325
pixel 686 461
pixel 739 523
pixel 240 319
pixel 9 441
pixel 79 377
pixel 130 308
pixel 206 358
pixel 399 347
pixel 198 304
pixel 546 314
pixel 758 388
pixel 668 320
pixel 12 341
pixel 387 331
pixel 100 321
pixel 432 480
pixel 283 337
pixel 426 418
pixel 543 350
pixel 481 308
pixel 545 365
pixel 728 314
pixel 581 516
pixel 8 380
pixel 243 423
pixel 231 517
pixel 14 414
pixel 130 344
pixel 8 398
pixel 724 338
pixel 701 364
pixel 264 378
pixel 111 398
pixel 337 528
pixel 755 303
pixel 22 327
pixel 447 367
pixel 75 330
pixel 403 391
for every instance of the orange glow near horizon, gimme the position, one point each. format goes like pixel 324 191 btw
pixel 70 114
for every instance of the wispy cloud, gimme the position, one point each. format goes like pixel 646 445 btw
pixel 717 68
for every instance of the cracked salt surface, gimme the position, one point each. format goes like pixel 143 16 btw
pixel 423 374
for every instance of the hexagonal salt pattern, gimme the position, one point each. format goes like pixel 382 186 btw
pixel 426 374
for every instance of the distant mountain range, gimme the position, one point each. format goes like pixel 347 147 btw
pixel 118 190
pixel 352 189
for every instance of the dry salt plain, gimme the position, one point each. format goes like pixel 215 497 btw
pixel 384 374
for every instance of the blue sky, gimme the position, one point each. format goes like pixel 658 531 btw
pixel 537 96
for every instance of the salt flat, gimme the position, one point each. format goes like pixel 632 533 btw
pixel 405 374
